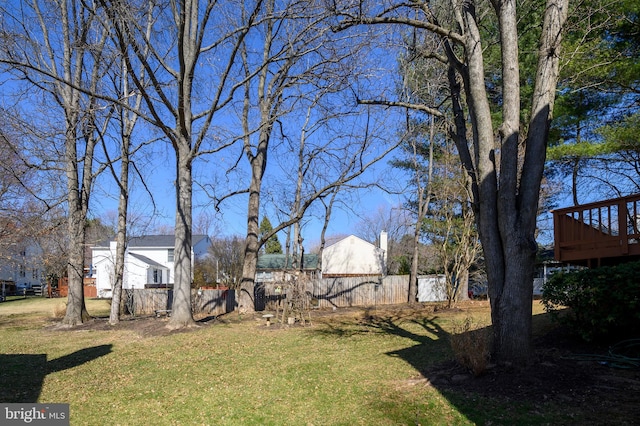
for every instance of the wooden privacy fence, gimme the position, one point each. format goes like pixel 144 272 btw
pixel 360 291
pixel 89 288
pixel 212 302
pixel 339 292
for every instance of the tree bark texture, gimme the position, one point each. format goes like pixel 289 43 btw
pixel 252 245
pixel 181 315
pixel 121 235
pixel 508 185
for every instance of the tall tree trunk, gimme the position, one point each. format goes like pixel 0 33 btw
pixel 79 189
pixel 128 120
pixel 181 315
pixel 246 300
pixel 80 122
pixel 258 160
pixel 121 235
pixel 424 199
pixel 76 312
pixel 506 212
pixel 488 209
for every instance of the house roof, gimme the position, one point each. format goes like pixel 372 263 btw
pixel 146 260
pixel 277 261
pixel 350 237
pixel 156 241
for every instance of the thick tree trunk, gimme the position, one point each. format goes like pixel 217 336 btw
pixel 246 302
pixel 181 315
pixel 506 212
pixel 78 204
pixel 79 182
pixel 464 285
pixel 76 312
pixel 491 209
pixel 512 311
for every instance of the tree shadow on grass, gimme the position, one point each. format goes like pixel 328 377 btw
pixel 430 339
pixel 22 375
pixel 502 394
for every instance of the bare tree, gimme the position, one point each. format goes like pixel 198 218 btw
pixel 174 69
pixel 450 225
pixel 227 253
pixel 275 73
pixel 56 47
pixel 299 63
pixel 126 124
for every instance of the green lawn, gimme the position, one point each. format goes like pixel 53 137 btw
pixel 358 369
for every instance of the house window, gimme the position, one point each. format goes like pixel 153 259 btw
pixel 34 274
pixel 170 255
pixel 157 276
pixel 23 271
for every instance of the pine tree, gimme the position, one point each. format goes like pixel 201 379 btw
pixel 272 245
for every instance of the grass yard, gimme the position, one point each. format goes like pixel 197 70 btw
pixel 352 367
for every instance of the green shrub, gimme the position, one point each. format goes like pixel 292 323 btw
pixel 604 302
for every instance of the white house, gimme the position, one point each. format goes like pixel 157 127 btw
pixel 353 256
pixel 148 262
pixel 21 266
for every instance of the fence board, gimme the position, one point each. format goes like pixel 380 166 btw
pixel 360 291
pixel 89 287
pixel 213 302
pixel 322 293
pixel 345 291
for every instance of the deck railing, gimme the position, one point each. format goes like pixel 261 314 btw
pixel 595 231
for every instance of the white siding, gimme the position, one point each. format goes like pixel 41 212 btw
pixel 137 272
pixel 432 288
pixel 352 256
pixel 103 271
pixel 23 264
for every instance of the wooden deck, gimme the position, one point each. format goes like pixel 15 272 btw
pixel 598 234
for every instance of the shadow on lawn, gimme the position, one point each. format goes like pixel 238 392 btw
pixel 22 375
pixel 433 360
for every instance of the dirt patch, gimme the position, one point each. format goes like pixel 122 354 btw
pixel 580 378
pixel 595 384
pixel 143 326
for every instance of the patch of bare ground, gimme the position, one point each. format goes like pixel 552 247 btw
pixel 579 377
pixel 143 326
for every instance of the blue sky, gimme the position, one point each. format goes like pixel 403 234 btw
pixel 378 81
pixel 231 219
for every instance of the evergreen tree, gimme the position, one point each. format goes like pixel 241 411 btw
pixel 272 244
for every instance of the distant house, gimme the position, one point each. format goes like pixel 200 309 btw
pixel 278 267
pixel 349 257
pixel 21 267
pixel 149 262
pixel 353 256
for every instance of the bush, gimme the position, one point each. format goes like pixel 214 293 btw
pixel 471 345
pixel 59 310
pixel 604 302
